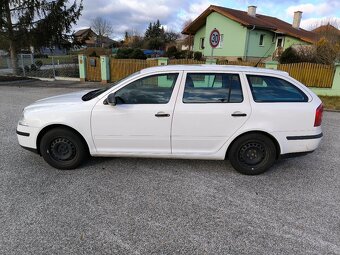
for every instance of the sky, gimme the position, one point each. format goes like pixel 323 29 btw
pixel 135 15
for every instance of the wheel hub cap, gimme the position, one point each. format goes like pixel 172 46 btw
pixel 62 149
pixel 252 153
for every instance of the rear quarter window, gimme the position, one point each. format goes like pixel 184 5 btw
pixel 273 89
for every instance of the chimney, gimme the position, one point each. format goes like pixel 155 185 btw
pixel 252 11
pixel 297 19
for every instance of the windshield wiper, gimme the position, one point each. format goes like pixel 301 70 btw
pixel 90 95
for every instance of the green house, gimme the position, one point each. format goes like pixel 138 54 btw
pixel 246 35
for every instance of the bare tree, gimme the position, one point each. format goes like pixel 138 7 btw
pixel 327 29
pixel 187 38
pixel 102 27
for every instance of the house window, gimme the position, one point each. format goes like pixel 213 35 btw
pixel 261 40
pixel 202 43
pixel 279 42
pixel 220 45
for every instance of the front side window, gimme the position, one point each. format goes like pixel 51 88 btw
pixel 154 89
pixel 273 89
pixel 212 88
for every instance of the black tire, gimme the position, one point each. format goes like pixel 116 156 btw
pixel 63 149
pixel 252 154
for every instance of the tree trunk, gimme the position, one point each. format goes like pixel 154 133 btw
pixel 14 58
pixel 11 37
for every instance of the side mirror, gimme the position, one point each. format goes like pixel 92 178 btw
pixel 111 99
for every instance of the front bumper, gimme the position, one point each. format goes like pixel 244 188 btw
pixel 27 137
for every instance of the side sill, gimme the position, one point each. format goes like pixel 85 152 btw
pixel 30 149
pixel 295 154
pixel 304 137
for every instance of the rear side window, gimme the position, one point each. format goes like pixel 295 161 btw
pixel 212 88
pixel 272 89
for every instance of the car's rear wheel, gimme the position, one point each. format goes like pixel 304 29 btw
pixel 252 154
pixel 63 149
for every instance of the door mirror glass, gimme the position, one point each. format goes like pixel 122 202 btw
pixel 111 99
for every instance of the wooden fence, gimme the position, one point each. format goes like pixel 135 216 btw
pixel 240 63
pixel 310 74
pixel 93 69
pixel 185 62
pixel 120 68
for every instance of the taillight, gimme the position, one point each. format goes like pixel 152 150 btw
pixel 318 116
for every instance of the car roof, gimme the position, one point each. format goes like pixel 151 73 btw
pixel 213 68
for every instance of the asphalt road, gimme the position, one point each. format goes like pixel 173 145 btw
pixel 156 206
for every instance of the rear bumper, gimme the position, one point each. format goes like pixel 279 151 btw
pixel 298 142
pixel 304 137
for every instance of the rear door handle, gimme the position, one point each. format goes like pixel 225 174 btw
pixel 239 114
pixel 162 115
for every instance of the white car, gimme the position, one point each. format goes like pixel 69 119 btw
pixel 248 115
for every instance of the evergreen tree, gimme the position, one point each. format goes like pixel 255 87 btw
pixel 36 22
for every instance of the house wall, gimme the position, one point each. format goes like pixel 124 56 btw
pixel 199 34
pixel 234 36
pixel 239 41
pixel 289 41
pixel 254 49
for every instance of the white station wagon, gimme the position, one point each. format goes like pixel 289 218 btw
pixel 251 116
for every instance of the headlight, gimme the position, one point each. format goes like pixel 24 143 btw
pixel 22 120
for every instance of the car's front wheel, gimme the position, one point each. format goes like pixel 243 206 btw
pixel 63 149
pixel 252 154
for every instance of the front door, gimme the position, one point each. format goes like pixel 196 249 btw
pixel 280 42
pixel 210 108
pixel 140 122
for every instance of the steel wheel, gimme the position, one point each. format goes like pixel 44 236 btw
pixel 252 154
pixel 63 149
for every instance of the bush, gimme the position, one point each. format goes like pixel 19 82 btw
pixel 290 55
pixel 39 55
pixel 188 54
pixel 93 54
pixel 34 67
pixel 38 63
pixel 171 52
pixel 128 53
pixel 198 55
pixel 27 69
pixel 124 53
pixel 326 52
pixel 137 54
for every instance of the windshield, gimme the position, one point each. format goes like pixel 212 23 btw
pixel 94 93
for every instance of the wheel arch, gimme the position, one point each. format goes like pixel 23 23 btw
pixel 53 126
pixel 274 140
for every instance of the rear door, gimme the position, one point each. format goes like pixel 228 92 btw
pixel 210 108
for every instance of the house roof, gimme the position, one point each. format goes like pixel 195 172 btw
pixel 83 32
pixel 326 28
pixel 259 21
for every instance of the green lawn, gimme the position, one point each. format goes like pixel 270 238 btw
pixel 331 103
pixel 68 59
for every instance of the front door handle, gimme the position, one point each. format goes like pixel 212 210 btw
pixel 162 115
pixel 239 114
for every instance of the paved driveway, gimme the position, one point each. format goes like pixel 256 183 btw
pixel 155 206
